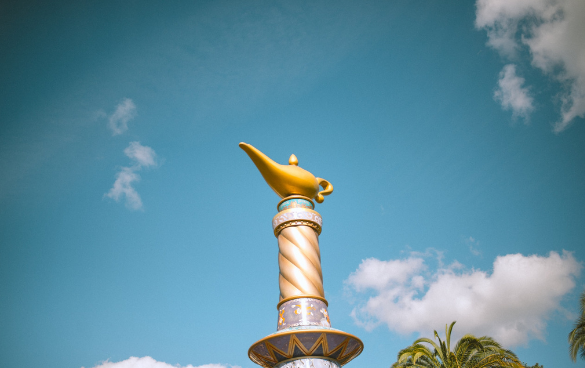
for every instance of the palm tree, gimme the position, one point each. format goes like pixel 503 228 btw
pixel 469 352
pixel 577 336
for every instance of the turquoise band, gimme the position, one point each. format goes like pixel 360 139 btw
pixel 295 203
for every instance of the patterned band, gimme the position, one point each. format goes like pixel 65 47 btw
pixel 303 312
pixel 296 217
pixel 309 363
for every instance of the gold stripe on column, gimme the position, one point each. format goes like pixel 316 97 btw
pixel 299 262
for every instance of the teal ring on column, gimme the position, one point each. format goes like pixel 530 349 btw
pixel 295 202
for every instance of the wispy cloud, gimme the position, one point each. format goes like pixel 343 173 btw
pixel 141 156
pixel 511 304
pixel 552 33
pixel 148 362
pixel 144 156
pixel 118 121
pixel 473 245
pixel 123 188
pixel 512 95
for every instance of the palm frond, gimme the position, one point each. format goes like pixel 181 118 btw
pixel 577 338
pixel 448 334
pixel 469 352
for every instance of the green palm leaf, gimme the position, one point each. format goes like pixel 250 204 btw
pixel 577 335
pixel 468 352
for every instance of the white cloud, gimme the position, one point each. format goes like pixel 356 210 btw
pixel 123 188
pixel 143 156
pixel 118 121
pixel 511 304
pixel 552 31
pixel 148 362
pixel 511 94
pixel 375 274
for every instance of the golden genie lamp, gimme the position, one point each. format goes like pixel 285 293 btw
pixel 304 337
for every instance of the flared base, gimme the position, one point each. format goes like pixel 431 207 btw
pixel 310 342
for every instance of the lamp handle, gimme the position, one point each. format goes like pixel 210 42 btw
pixel 327 189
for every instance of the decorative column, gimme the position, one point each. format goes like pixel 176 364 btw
pixel 304 337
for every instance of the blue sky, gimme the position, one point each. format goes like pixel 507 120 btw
pixel 134 226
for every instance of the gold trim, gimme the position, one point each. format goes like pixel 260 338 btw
pixel 293 197
pixel 286 224
pixel 277 334
pixel 301 297
pixel 343 357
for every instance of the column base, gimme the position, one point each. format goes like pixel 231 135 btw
pixel 309 363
